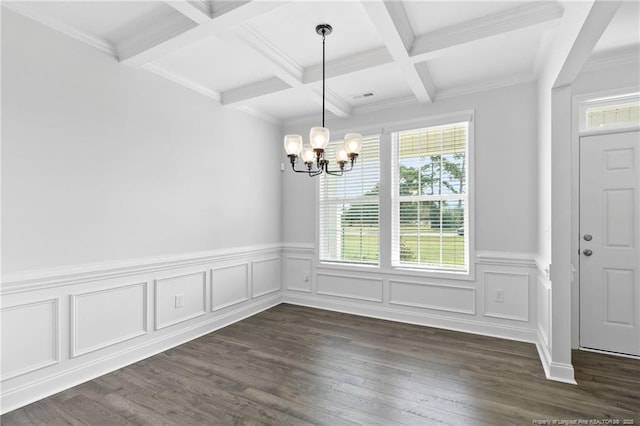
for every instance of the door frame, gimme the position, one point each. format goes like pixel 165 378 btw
pixel 578 101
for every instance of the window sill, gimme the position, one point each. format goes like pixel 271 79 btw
pixel 398 271
pixel 433 273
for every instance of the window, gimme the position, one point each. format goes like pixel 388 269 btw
pixel 429 198
pixel 349 208
pixel 610 112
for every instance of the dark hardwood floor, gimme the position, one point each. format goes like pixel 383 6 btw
pixel 296 365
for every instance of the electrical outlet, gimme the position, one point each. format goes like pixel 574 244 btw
pixel 498 295
pixel 179 300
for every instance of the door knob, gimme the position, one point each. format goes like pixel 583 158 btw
pixel 588 237
pixel 587 252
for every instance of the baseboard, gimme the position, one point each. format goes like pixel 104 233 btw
pixel 555 371
pixel 520 334
pixel 34 391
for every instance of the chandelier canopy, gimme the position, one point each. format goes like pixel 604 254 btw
pixel 319 138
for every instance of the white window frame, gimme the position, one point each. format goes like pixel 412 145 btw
pixel 366 133
pixel 437 272
pixel 385 130
pixel 599 100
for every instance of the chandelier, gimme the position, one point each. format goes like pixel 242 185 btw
pixel 319 138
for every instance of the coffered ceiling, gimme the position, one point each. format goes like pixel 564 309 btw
pixel 265 58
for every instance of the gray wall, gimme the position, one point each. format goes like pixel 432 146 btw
pixel 102 162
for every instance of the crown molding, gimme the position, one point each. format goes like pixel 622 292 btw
pixel 393 26
pixel 253 90
pixel 386 104
pixel 197 10
pixel 401 22
pixel 164 29
pixel 486 85
pixel 27 10
pixel 334 103
pixel 612 58
pixel 426 45
pixel 543 51
pixel 260 114
pixel 283 66
pixel 163 72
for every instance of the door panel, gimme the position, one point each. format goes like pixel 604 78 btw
pixel 609 240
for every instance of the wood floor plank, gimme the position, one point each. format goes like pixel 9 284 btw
pixel 293 365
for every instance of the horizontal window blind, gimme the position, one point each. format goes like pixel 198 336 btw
pixel 611 115
pixel 349 207
pixel 429 199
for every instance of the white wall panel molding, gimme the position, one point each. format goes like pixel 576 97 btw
pixel 514 291
pixel 350 286
pixel 441 297
pixel 43 279
pixel 30 337
pixel 297 273
pixel 190 288
pixel 265 276
pixel 299 248
pixel 544 267
pixel 81 369
pixel 466 325
pixel 96 324
pixel 229 285
pixel 503 258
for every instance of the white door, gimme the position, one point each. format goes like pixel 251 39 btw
pixel 609 239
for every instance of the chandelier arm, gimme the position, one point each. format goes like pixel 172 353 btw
pixel 308 170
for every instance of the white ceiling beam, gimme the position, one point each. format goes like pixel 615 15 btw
pixel 333 103
pixel 350 64
pixel 279 62
pixel 595 23
pixel 139 52
pixel 429 45
pixel 213 94
pixel 287 69
pixel 153 35
pixel 312 74
pixel 426 80
pixel 197 11
pixel 241 94
pixel 393 26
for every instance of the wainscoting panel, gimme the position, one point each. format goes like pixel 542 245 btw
pixel 190 288
pixel 297 274
pixel 506 295
pixel 352 287
pixel 265 275
pixel 64 326
pixel 450 298
pixel 229 285
pixel 544 308
pixel 106 317
pixel 30 337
